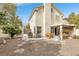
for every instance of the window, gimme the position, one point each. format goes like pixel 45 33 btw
pixel 38 29
pixel 57 30
pixel 51 29
pixel 57 17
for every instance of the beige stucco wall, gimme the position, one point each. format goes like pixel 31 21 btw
pixel 36 20
pixel 45 18
pixel 32 22
pixel 39 18
pixel 54 20
pixel 76 32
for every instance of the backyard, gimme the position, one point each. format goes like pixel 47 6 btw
pixel 17 47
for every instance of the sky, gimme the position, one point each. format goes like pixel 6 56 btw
pixel 24 10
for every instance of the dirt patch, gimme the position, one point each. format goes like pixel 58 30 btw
pixel 40 48
pixel 70 47
pixel 16 47
pixel 8 48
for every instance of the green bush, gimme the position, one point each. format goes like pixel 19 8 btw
pixel 76 37
pixel 11 29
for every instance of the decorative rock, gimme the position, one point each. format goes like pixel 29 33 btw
pixel 21 50
pixel 4 41
pixel 25 37
pixel 20 45
pixel 23 42
pixel 56 38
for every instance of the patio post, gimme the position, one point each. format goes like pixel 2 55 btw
pixel 74 31
pixel 61 31
pixel 35 31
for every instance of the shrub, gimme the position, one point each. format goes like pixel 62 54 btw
pixel 12 30
pixel 49 34
pixel 76 37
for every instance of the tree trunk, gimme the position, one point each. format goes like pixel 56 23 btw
pixel 12 35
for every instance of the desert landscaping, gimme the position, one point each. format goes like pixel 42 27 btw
pixel 18 47
pixel 38 30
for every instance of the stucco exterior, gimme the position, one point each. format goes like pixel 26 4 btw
pixel 33 22
pixel 54 14
pixel 47 16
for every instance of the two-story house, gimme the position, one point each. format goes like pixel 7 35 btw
pixel 48 18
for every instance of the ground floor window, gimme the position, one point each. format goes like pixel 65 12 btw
pixel 52 29
pixel 55 30
pixel 38 35
pixel 38 29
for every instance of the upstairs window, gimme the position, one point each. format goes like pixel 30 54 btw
pixel 57 17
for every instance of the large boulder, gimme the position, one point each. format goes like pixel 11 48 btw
pixel 2 41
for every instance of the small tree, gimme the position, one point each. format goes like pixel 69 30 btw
pixel 11 29
pixel 74 19
pixel 2 18
pixel 9 22
pixel 27 26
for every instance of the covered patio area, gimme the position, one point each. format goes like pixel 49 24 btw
pixel 63 31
